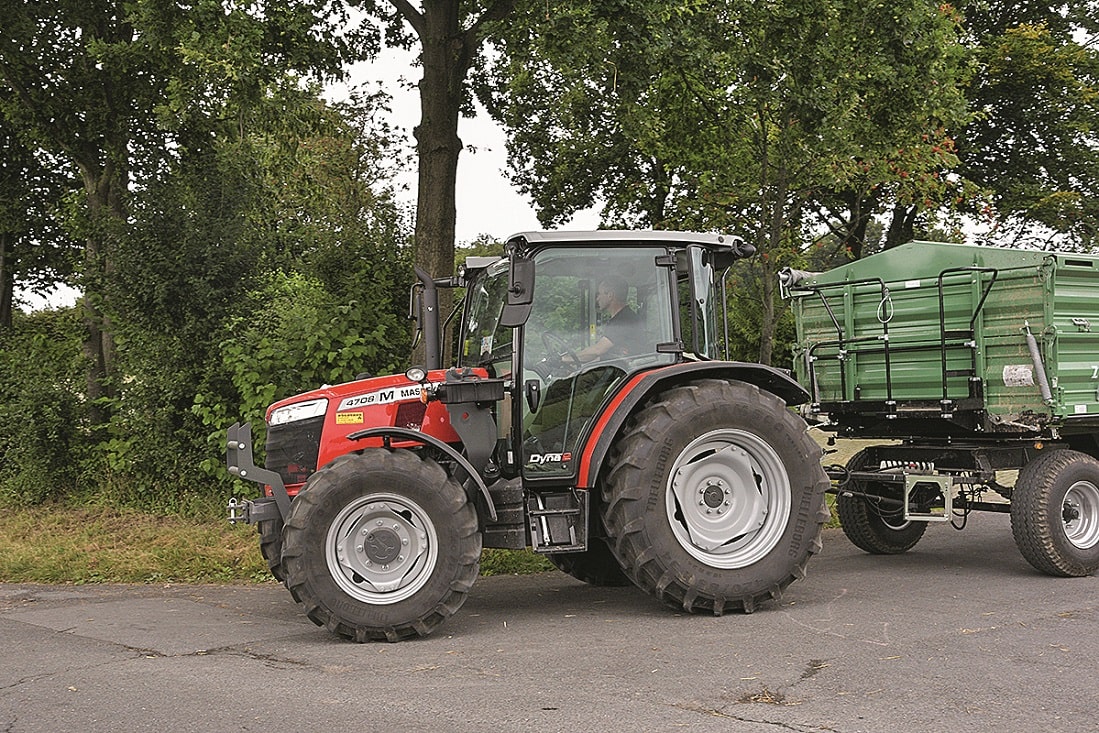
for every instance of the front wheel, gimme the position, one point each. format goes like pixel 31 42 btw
pixel 715 497
pixel 1055 513
pixel 381 545
pixel 270 546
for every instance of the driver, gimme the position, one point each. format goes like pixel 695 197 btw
pixel 620 330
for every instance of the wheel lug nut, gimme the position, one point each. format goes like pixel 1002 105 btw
pixel 357 549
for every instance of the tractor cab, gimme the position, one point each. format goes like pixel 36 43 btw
pixel 601 307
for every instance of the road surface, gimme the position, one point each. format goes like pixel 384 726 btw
pixel 959 634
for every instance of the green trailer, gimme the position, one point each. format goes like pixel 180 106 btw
pixel 973 363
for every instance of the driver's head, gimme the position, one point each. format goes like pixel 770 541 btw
pixel 612 291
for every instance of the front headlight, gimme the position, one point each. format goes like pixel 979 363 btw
pixel 299 411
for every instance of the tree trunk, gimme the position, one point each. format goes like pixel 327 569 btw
pixel 773 206
pixel 103 187
pixel 446 53
pixel 853 235
pixel 445 62
pixel 767 316
pixel 7 281
pixel 902 227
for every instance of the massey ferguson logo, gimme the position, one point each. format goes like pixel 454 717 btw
pixel 541 459
pixel 381 397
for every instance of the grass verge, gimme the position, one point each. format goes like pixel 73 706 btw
pixel 64 544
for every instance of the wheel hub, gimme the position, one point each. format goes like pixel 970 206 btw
pixel 1080 514
pixel 713 495
pixel 382 546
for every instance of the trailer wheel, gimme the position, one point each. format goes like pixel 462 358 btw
pixel 381 545
pixel 1055 513
pixel 270 546
pixel 597 566
pixel 871 527
pixel 715 497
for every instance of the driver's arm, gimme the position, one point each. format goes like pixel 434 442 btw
pixel 596 350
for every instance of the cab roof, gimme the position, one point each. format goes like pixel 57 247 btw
pixel 624 237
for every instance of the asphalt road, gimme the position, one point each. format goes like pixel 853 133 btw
pixel 957 635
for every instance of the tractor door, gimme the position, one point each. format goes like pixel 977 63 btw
pixel 565 382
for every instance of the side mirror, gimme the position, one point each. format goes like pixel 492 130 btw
pixel 520 292
pixel 735 249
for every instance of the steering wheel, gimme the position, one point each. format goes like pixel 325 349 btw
pixel 556 349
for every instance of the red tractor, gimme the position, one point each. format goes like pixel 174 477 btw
pixel 590 417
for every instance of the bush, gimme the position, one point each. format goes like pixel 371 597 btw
pixel 45 438
pixel 296 337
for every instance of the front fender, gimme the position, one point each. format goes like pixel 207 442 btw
pixel 416 436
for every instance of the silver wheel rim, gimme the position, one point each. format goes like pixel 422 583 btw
pixel 1080 514
pixel 728 498
pixel 381 548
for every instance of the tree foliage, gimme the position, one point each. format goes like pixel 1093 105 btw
pixel 760 118
pixel 35 253
pixel 95 83
pixel 208 165
pixel 43 442
pixel 1034 143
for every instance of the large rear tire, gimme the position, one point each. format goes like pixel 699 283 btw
pixel 1055 513
pixel 381 545
pixel 597 566
pixel 715 497
pixel 870 526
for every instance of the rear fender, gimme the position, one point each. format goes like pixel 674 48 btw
pixel 634 393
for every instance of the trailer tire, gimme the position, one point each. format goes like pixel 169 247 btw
pixel 756 497
pixel 381 545
pixel 869 527
pixel 270 546
pixel 873 531
pixel 596 566
pixel 1055 513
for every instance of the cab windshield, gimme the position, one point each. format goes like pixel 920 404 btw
pixel 483 341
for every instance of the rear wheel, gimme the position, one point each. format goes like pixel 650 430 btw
pixel 871 526
pixel 1055 513
pixel 381 545
pixel 597 566
pixel 715 497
